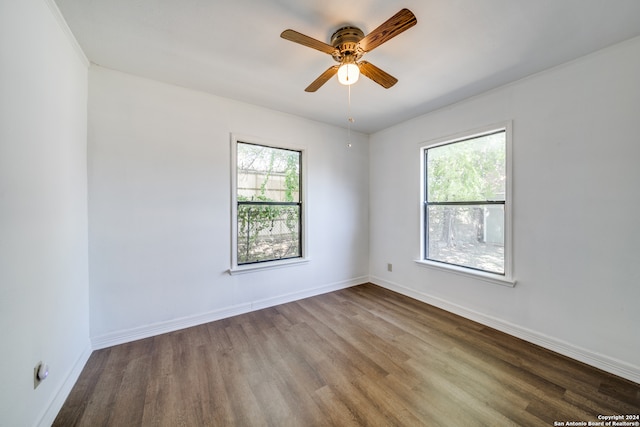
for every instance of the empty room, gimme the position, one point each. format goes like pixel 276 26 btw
pixel 299 213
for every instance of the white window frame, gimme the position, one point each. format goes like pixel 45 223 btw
pixel 507 279
pixel 265 265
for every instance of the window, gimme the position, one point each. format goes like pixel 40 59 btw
pixel 466 204
pixel 268 211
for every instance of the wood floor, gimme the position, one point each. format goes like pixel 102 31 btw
pixel 359 356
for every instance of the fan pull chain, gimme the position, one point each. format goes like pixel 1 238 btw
pixel 349 118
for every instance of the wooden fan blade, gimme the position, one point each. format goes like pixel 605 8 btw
pixel 322 79
pixel 395 25
pixel 383 78
pixel 300 38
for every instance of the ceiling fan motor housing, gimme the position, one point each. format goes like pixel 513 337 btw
pixel 345 40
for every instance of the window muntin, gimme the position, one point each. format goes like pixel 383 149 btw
pixel 268 201
pixel 465 202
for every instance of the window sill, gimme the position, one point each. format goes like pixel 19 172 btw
pixel 487 277
pixel 269 265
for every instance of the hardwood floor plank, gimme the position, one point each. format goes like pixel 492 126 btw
pixel 132 389
pixel 168 394
pixel 362 356
pixel 337 412
pixel 289 359
pixel 362 409
pixel 442 408
pixel 377 390
pixel 620 389
pixel 101 403
pixel 420 405
pixel 214 400
pixel 294 379
pixel 244 404
pixel 85 386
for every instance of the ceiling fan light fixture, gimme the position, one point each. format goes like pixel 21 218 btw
pixel 348 73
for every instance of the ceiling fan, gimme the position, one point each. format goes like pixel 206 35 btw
pixel 349 44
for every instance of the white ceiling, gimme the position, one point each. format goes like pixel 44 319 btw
pixel 233 48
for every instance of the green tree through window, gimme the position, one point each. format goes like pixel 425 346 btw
pixel 465 202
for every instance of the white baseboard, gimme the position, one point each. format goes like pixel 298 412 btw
pixel 606 363
pixel 61 395
pixel 134 334
pixel 295 296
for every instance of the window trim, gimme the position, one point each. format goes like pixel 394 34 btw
pixel 279 263
pixel 506 279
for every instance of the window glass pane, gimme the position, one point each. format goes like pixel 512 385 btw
pixel 468 236
pixel 268 232
pixel 269 206
pixel 469 170
pixel 268 174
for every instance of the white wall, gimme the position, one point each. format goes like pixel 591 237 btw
pixel 43 211
pixel 159 207
pixel 576 207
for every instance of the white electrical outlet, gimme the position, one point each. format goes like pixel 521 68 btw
pixel 389 267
